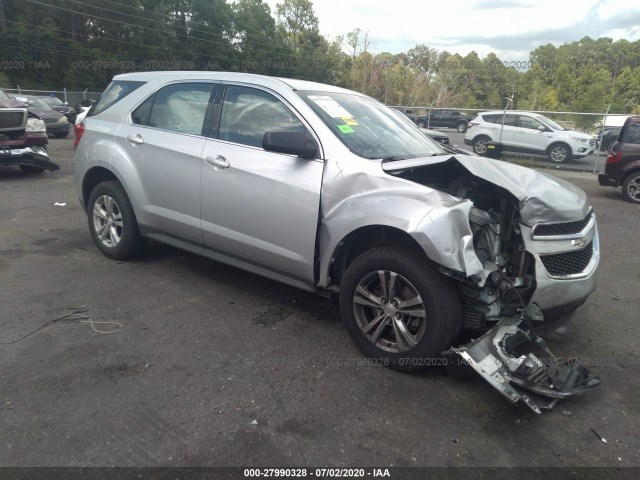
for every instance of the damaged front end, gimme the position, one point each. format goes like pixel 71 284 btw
pixel 534 250
pixel 23 137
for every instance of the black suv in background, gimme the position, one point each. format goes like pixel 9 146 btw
pixel 444 117
pixel 623 163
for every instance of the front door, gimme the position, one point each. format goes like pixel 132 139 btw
pixel 259 208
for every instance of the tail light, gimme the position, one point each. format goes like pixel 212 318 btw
pixel 614 157
pixel 78 130
pixel 472 124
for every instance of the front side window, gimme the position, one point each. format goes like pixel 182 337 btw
pixel 551 123
pixel 368 128
pixel 248 113
pixel 530 122
pixel 180 107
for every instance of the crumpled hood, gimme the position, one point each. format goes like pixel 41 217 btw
pixel 542 197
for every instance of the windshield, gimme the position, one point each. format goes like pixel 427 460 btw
pixel 37 103
pixel 52 100
pixel 551 123
pixel 3 96
pixel 370 129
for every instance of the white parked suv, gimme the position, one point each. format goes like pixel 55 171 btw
pixel 529 133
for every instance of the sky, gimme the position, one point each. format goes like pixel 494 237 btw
pixel 510 28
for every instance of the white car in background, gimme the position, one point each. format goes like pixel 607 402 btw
pixel 528 133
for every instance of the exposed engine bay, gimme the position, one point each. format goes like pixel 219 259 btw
pixel 496 306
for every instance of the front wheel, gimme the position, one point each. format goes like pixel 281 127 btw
pixel 461 127
pixel 422 124
pixel 112 221
pixel 631 188
pixel 559 153
pixel 398 308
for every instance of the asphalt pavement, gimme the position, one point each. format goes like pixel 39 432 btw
pixel 200 364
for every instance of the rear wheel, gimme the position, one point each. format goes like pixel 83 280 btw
pixel 480 144
pixel 112 221
pixel 422 124
pixel 398 308
pixel 631 188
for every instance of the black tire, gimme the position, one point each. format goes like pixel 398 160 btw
pixel 480 144
pixel 421 124
pixel 461 127
pixel 129 241
pixel 439 297
pixel 61 135
pixel 631 188
pixel 31 170
pixel 559 153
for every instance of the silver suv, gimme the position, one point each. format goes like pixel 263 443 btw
pixel 330 191
pixel 528 133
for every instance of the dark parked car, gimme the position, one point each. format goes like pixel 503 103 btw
pixel 59 106
pixel 623 163
pixel 84 105
pixel 57 124
pixel 609 137
pixel 444 117
pixel 411 113
pixel 439 137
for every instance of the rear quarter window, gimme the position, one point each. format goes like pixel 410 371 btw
pixel 116 91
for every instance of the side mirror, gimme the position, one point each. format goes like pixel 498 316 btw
pixel 542 128
pixel 292 143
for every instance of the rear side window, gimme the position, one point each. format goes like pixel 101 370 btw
pixel 116 91
pixel 181 107
pixel 631 133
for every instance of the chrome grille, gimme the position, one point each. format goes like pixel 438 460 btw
pixel 568 263
pixel 11 120
pixel 564 228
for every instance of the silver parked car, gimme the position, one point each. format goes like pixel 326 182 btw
pixel 330 191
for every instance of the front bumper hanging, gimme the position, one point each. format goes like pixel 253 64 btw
pixel 33 157
pixel 503 357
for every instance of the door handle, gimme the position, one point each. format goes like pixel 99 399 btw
pixel 218 162
pixel 136 139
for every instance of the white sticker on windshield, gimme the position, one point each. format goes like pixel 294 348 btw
pixel 329 105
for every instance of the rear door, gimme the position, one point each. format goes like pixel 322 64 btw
pixel 164 139
pixel 509 131
pixel 259 208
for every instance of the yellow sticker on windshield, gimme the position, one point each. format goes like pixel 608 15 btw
pixel 346 129
pixel 349 121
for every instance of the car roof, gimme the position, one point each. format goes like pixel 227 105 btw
pixel 264 80
pixel 516 112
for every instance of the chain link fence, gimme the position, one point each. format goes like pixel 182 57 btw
pixel 540 139
pixel 72 98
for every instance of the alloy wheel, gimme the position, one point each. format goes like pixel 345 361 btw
pixel 389 311
pixel 107 221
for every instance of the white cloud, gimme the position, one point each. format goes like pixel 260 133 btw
pixel 506 27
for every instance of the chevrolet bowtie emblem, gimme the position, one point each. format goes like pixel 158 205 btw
pixel 578 243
